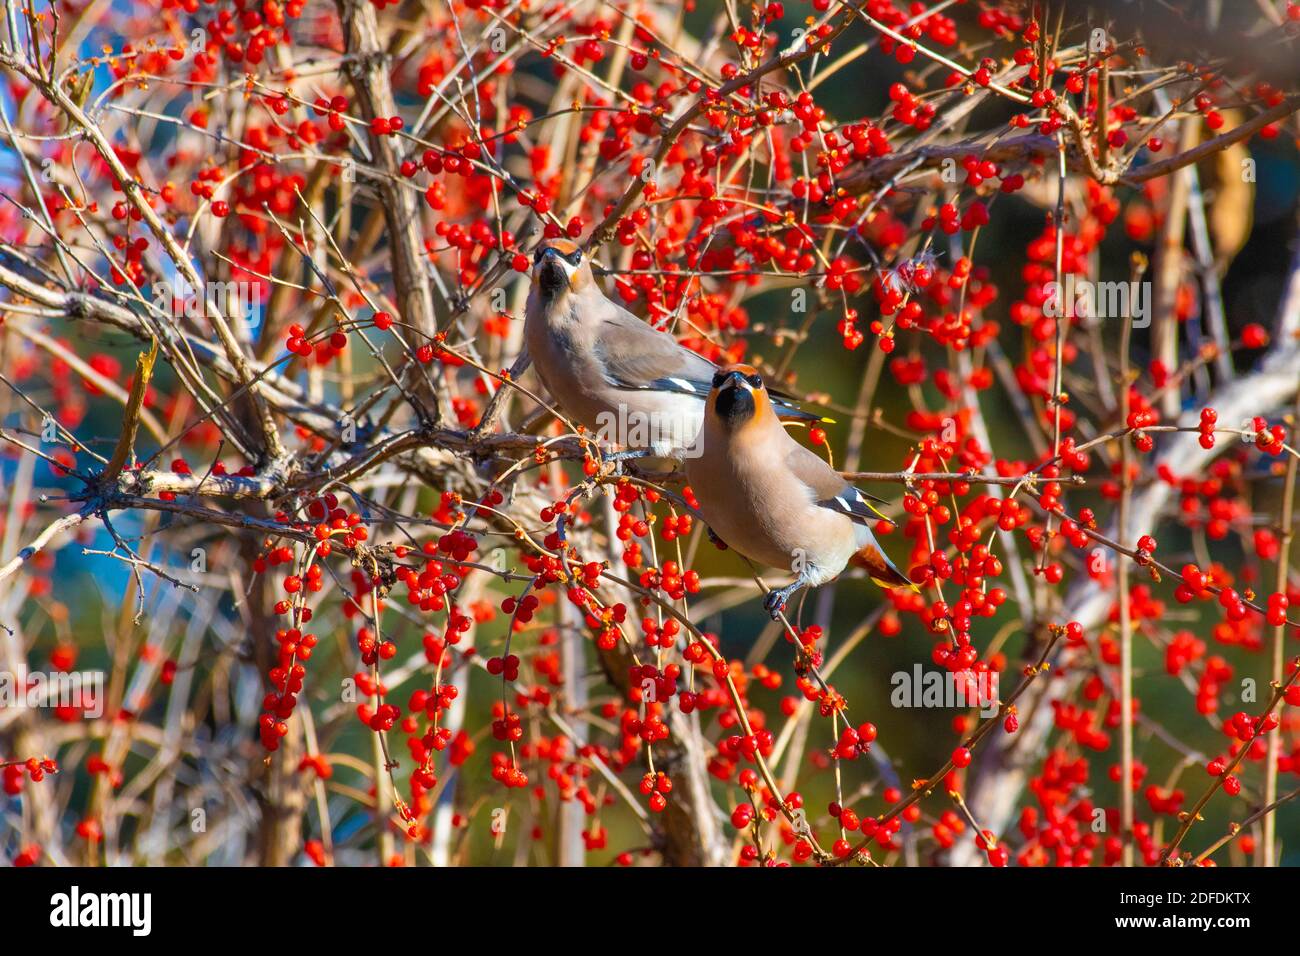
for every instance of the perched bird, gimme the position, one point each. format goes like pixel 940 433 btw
pixel 628 382
pixel 773 500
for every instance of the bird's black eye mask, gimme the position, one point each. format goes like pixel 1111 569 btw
pixel 755 380
pixel 574 258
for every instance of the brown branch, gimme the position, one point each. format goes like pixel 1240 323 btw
pixel 1235 135
pixel 131 414
pixel 368 69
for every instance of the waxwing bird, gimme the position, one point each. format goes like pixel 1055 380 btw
pixel 773 500
pixel 628 382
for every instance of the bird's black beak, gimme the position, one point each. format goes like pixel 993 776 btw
pixel 731 379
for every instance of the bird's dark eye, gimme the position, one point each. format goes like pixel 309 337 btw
pixel 755 380
pixel 538 253
pixel 574 257
pixel 719 377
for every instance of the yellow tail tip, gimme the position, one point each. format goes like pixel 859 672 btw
pixel 892 585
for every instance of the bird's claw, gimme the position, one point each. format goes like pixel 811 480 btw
pixel 776 600
pixel 627 454
pixel 617 459
pixel 717 542
pixel 774 603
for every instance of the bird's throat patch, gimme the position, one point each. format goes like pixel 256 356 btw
pixel 553 279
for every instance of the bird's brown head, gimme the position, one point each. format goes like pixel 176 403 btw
pixel 560 265
pixel 738 397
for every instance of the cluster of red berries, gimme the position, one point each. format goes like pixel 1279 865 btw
pixel 33 769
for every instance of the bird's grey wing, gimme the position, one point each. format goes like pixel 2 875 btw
pixel 828 489
pixel 834 493
pixel 635 355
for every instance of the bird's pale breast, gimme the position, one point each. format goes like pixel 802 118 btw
pixel 754 504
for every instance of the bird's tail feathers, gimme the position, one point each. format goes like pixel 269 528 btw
pixel 792 413
pixel 880 569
